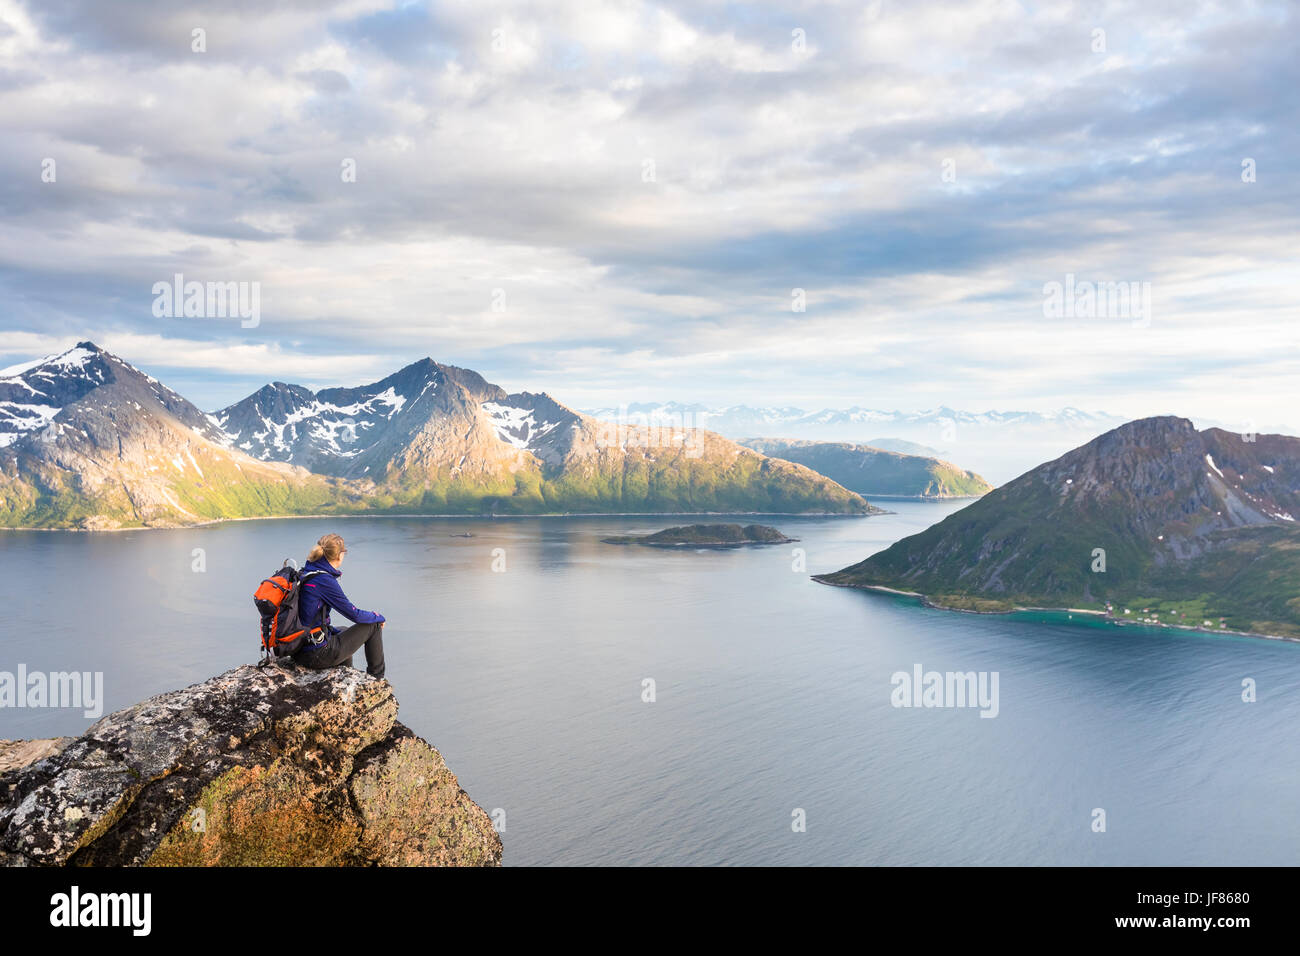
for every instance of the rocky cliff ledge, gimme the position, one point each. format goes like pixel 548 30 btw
pixel 251 768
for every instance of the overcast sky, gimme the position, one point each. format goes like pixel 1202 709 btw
pixel 642 186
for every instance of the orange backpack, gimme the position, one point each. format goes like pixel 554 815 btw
pixel 277 602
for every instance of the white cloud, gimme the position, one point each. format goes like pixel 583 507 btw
pixel 523 168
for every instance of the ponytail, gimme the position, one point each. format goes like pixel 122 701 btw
pixel 329 547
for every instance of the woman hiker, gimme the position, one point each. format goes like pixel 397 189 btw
pixel 321 594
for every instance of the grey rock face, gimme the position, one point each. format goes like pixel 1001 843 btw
pixel 253 767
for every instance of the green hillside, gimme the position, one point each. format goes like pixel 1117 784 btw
pixel 1174 525
pixel 875 471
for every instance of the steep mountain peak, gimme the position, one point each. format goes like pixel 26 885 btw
pixel 1154 427
pixel 352 430
pixel 48 391
pixel 1156 433
pixel 75 358
pixel 420 368
pixel 1170 479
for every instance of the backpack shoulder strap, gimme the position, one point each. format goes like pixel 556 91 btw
pixel 324 607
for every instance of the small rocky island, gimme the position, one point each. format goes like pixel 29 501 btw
pixel 706 536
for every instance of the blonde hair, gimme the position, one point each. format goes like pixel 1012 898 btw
pixel 329 547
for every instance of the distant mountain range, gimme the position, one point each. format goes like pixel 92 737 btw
pixel 744 421
pixel 1169 524
pixel 998 444
pixel 87 440
pixel 865 469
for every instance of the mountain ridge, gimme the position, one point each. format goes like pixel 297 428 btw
pixel 87 440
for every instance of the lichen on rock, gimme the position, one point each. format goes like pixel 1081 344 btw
pixel 283 766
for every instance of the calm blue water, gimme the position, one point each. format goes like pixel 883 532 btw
pixel 773 693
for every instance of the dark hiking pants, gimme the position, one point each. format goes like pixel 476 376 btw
pixel 339 648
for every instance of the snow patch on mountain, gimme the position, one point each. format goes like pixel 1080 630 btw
pixel 337 427
pixel 517 425
pixel 43 378
pixel 17 420
pixel 73 358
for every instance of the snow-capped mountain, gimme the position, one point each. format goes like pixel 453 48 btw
pixel 439 435
pixel 452 415
pixel 348 431
pixel 34 393
pixel 87 440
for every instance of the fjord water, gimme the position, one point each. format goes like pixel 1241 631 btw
pixel 772 692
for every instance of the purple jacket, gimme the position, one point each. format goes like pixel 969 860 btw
pixel 323 589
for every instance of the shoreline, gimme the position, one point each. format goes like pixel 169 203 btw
pixel 878 496
pixel 463 517
pixel 1020 609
